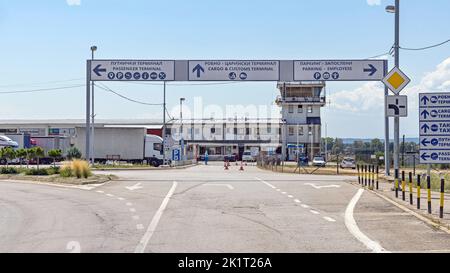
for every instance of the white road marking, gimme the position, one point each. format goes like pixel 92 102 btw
pixel 136 186
pixel 132 210
pixel 321 187
pixel 267 183
pixel 140 248
pixel 284 192
pixel 129 204
pixel 314 212
pixel 290 196
pixel 297 201
pixel 110 195
pixel 121 198
pixel 351 225
pixel 222 185
pixel 140 226
pixel 100 191
pixel 329 219
pixel 74 247
pixel 136 217
pixel 278 190
pixel 305 206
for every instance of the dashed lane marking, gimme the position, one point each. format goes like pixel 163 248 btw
pixel 132 210
pixel 329 219
pixel 140 226
pixel 314 212
pixel 297 201
pixel 129 204
pixel 290 196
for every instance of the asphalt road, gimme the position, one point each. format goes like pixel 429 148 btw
pixel 208 209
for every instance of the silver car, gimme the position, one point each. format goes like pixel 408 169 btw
pixel 348 163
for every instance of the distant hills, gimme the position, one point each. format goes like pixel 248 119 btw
pixel 352 140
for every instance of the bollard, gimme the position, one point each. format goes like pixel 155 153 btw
pixel 441 207
pixel 359 177
pixel 418 191
pixel 410 188
pixel 365 176
pixel 378 171
pixel 373 177
pixel 403 186
pixel 429 193
pixel 396 183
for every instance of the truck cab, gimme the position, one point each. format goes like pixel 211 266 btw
pixel 153 152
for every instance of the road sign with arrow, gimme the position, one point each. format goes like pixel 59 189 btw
pixel 132 70
pixel 339 70
pixel 234 70
pixel 434 126
pixel 397 106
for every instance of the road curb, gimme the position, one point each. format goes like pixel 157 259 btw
pixel 146 169
pixel 424 218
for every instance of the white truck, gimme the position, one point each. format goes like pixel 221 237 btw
pixel 132 145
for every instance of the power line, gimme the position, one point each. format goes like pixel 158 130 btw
pixel 41 89
pixel 41 83
pixel 427 47
pixel 106 88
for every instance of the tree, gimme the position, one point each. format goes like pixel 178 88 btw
pixel 39 152
pixel 21 155
pixel 7 154
pixel 31 154
pixel 54 154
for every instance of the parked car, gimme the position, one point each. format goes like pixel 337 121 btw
pixel 319 161
pixel 247 156
pixel 348 162
pixel 230 158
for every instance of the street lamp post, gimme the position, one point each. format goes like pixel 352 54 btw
pixel 181 128
pixel 93 49
pixel 396 9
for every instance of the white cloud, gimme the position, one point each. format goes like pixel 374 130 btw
pixel 374 2
pixel 370 96
pixel 73 2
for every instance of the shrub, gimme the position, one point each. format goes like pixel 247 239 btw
pixel 9 170
pixel 77 168
pixel 33 171
pixel 53 170
pixel 73 153
pixel 66 170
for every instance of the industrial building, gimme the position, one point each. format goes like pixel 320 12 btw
pixel 298 130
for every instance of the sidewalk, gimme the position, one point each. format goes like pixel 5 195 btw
pixel 387 189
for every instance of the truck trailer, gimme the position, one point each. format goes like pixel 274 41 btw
pixel 132 145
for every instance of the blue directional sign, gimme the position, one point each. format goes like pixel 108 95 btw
pixel 176 155
pixel 434 127
pixel 132 70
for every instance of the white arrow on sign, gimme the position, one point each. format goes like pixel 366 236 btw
pixel 136 186
pixel 321 187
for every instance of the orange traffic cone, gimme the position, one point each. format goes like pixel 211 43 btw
pixel 242 167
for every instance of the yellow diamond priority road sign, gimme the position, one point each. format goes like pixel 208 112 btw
pixel 396 80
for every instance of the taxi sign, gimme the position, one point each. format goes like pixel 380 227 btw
pixel 396 80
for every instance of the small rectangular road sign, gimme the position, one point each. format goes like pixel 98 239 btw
pixel 132 70
pixel 339 70
pixel 397 106
pixel 434 127
pixel 234 70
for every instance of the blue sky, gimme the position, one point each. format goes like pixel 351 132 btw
pixel 45 41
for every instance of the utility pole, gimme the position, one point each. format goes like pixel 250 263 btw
pixel 397 64
pixel 164 125
pixel 93 49
pixel 181 128
pixel 88 110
